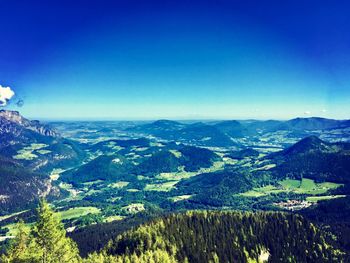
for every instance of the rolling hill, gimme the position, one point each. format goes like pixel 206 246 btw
pixel 315 159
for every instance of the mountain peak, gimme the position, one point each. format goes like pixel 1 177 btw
pixel 12 116
pixel 9 118
pixel 311 143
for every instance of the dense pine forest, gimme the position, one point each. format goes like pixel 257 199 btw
pixel 228 237
pixel 194 236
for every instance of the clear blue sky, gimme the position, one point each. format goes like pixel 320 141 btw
pixel 134 59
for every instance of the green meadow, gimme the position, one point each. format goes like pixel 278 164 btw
pixel 304 186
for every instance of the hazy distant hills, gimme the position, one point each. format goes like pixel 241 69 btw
pixel 315 123
pixel 221 133
pixel 232 128
pixel 297 124
pixel 194 133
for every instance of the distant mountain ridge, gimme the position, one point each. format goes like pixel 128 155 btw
pixel 195 133
pixel 221 133
pixel 314 123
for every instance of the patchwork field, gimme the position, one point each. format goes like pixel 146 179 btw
pixel 30 152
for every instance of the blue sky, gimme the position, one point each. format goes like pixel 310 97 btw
pixel 176 59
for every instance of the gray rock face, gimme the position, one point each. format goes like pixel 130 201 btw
pixel 12 122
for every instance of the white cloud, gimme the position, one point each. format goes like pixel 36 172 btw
pixel 6 93
pixel 307 112
pixel 324 110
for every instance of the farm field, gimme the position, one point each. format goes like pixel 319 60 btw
pixel 78 212
pixel 304 186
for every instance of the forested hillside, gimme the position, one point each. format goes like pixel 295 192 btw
pixel 227 237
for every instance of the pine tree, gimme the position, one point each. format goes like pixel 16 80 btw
pixel 19 250
pixel 46 243
pixel 51 243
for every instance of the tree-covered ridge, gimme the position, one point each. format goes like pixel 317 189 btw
pixel 315 159
pixel 226 237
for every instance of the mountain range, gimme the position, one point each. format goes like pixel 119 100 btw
pixel 116 171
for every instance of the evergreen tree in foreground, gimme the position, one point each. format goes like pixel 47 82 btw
pixel 19 251
pixel 46 243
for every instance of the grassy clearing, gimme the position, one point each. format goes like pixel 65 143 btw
pixel 263 191
pixel 156 144
pixel 11 215
pixel 176 176
pixel 304 186
pixel 36 146
pixel 229 161
pixel 182 174
pixel 114 199
pixel 27 152
pixel 78 212
pixel 141 177
pixel 161 187
pixel 290 184
pixel 117 148
pixel 74 194
pixel 323 197
pixel 180 198
pixel 118 185
pixel 309 186
pixel 43 152
pixel 133 190
pixel 141 149
pixel 25 155
pixel 113 218
pixel 93 191
pixel 55 174
pixel 176 153
pixel 266 167
pixel 92 182
pixel 217 166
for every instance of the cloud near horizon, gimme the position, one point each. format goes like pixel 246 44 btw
pixel 6 93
